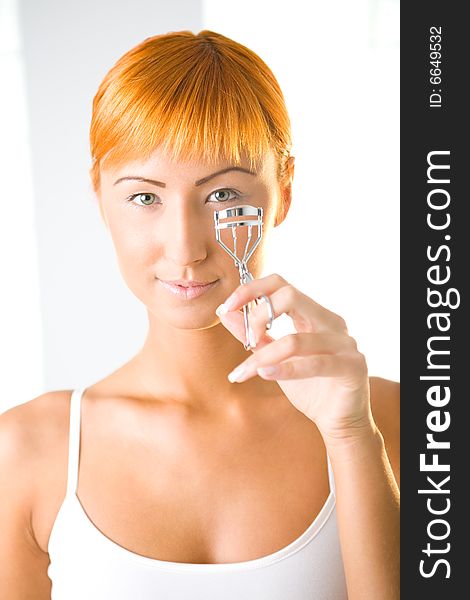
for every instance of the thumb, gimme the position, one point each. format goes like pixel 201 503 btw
pixel 235 323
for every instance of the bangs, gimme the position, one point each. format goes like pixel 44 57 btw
pixel 195 97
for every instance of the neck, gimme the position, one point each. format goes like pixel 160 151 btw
pixel 190 366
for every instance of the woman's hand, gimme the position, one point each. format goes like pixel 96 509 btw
pixel 319 368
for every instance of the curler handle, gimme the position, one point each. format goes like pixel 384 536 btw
pixel 245 277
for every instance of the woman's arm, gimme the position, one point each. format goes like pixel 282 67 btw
pixel 367 500
pixel 23 565
pixel 323 374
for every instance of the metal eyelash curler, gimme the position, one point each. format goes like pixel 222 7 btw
pixel 247 212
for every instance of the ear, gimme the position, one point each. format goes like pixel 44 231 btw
pixel 285 197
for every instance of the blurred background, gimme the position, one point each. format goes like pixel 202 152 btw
pixel 66 317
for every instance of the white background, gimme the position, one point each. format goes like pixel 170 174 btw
pixel 66 317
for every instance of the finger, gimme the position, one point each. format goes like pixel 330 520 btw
pixel 246 292
pixel 346 366
pixel 295 345
pixel 306 314
pixel 235 323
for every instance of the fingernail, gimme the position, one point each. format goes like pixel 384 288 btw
pixel 236 374
pixel 266 370
pixel 221 310
pixel 230 302
pixel 251 337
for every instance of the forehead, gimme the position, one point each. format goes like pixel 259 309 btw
pixel 158 164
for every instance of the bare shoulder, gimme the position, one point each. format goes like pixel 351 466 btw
pixel 33 438
pixel 30 430
pixel 385 404
pixel 30 437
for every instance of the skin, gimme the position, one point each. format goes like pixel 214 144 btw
pixel 176 240
pixel 269 433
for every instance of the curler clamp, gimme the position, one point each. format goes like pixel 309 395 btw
pixel 230 221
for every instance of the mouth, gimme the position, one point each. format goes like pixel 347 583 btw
pixel 189 289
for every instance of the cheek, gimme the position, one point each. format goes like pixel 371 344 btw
pixel 257 261
pixel 266 196
pixel 271 207
pixel 133 246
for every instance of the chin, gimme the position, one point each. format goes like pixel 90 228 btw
pixel 192 324
pixel 187 317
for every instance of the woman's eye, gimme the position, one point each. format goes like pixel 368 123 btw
pixel 146 199
pixel 149 199
pixel 224 195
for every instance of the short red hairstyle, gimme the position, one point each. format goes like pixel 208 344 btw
pixel 195 96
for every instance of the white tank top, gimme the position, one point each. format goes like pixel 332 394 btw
pixel 87 565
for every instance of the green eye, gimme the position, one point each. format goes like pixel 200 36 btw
pixel 145 199
pixel 223 195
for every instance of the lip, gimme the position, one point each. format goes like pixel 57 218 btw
pixel 187 289
pixel 187 282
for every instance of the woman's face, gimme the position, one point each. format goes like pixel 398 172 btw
pixel 160 218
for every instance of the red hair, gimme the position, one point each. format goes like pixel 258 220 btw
pixel 195 96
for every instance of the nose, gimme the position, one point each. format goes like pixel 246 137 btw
pixel 186 233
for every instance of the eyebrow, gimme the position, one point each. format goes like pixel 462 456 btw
pixel 198 182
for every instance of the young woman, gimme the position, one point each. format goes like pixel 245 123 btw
pixel 170 478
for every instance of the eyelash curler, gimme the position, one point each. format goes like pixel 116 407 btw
pixel 247 212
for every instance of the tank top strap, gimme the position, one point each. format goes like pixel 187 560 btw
pixel 331 478
pixel 74 441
